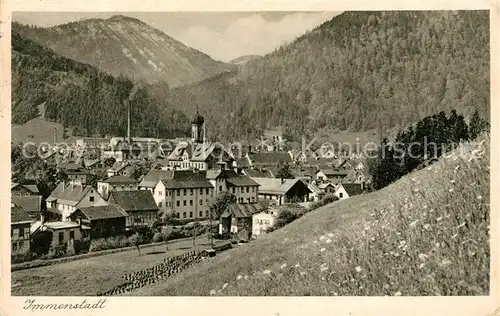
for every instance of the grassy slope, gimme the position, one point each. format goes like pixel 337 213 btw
pixel 426 234
pixel 88 276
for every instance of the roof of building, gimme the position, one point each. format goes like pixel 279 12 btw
pixel 352 188
pixel 242 162
pixel 90 162
pixel 18 215
pixel 241 181
pixel 188 175
pixel 241 210
pixel 186 184
pixel 270 158
pixel 314 188
pixel 31 187
pixel 69 166
pixel 254 173
pixel 103 212
pixel 138 200
pixel 61 225
pixel 69 193
pixel 274 186
pixel 198 152
pixel 197 119
pixel 151 178
pixel 333 172
pixel 31 204
pixel 120 179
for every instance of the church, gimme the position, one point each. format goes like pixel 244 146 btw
pixel 198 153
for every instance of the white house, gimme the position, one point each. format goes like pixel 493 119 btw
pixel 263 220
pixel 346 190
pixel 116 183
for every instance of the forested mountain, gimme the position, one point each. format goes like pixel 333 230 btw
pixel 83 97
pixel 244 59
pixel 358 71
pixel 126 46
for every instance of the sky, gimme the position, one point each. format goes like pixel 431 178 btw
pixel 222 35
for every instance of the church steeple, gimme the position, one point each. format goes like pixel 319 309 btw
pixel 197 131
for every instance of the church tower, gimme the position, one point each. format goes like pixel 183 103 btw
pixel 197 130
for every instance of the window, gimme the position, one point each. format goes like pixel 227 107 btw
pixel 206 212
pixel 207 191
pixel 15 232
pixel 169 193
pixel 220 188
pixel 21 231
pixel 341 195
pixel 123 187
pixel 160 193
pixel 71 234
pixel 190 202
pixel 178 203
pixel 253 189
pixel 234 190
pixel 21 244
pixel 27 234
pixel 91 198
pixel 185 191
pixel 190 214
pixel 201 202
pixel 178 215
pixel 114 187
pixel 178 192
pixel 201 191
pixel 201 213
pixel 184 214
pixel 185 202
pixel 14 246
pixel 253 198
pixel 61 237
pixel 242 189
pixel 248 189
pixel 191 192
pixel 159 204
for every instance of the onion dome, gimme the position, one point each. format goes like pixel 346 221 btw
pixel 197 119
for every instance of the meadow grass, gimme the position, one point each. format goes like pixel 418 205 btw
pixel 426 234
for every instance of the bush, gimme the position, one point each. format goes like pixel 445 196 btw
pixel 57 250
pixel 157 237
pixel 81 246
pixel 327 199
pixel 108 243
pixel 22 257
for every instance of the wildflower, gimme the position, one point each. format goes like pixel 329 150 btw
pixel 322 237
pixel 283 265
pixel 322 249
pixel 427 226
pixel 450 190
pixel 328 241
pixel 398 293
pixel 422 256
pixel 452 181
pixel 479 197
pixel 330 235
pixel 212 292
pixel 413 224
pixel 358 269
pixel 266 272
pixel 224 285
pixel 238 277
pixel 297 265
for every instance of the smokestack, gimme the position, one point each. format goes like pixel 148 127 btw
pixel 55 135
pixel 129 138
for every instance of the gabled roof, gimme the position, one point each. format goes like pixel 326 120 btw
pixel 31 187
pixel 274 186
pixel 151 178
pixel 254 173
pixel 333 172
pixel 69 166
pixel 90 162
pixel 198 152
pixel 185 175
pixel 69 193
pixel 241 210
pixel 314 188
pixel 103 212
pixel 186 184
pixel 324 185
pixel 19 215
pixel 241 181
pixel 31 204
pixel 138 200
pixel 120 179
pixel 352 188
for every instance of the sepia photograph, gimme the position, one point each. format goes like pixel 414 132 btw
pixel 237 153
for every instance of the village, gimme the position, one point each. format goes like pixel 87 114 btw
pixel 183 186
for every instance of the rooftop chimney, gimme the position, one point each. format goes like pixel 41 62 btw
pixel 129 137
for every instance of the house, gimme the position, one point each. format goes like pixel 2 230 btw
pixel 116 183
pixel 346 190
pixel 243 187
pixel 237 219
pixel 69 166
pixel 92 142
pixel 327 187
pixel 94 164
pixel 64 231
pixel 150 180
pixel 186 195
pixel 101 221
pixel 331 174
pixel 274 138
pixel 31 204
pixel 77 176
pixel 317 193
pixel 121 169
pixel 17 189
pixel 140 206
pixel 67 197
pixel 263 220
pixel 283 190
pixel 20 230
pixel 197 153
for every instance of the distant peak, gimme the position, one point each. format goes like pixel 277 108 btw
pixel 120 17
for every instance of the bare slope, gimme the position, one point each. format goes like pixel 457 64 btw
pixel 127 46
pixel 426 234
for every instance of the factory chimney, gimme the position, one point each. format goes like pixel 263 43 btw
pixel 129 137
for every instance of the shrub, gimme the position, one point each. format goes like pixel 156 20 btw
pixel 22 257
pixel 157 237
pixel 108 243
pixel 81 246
pixel 327 199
